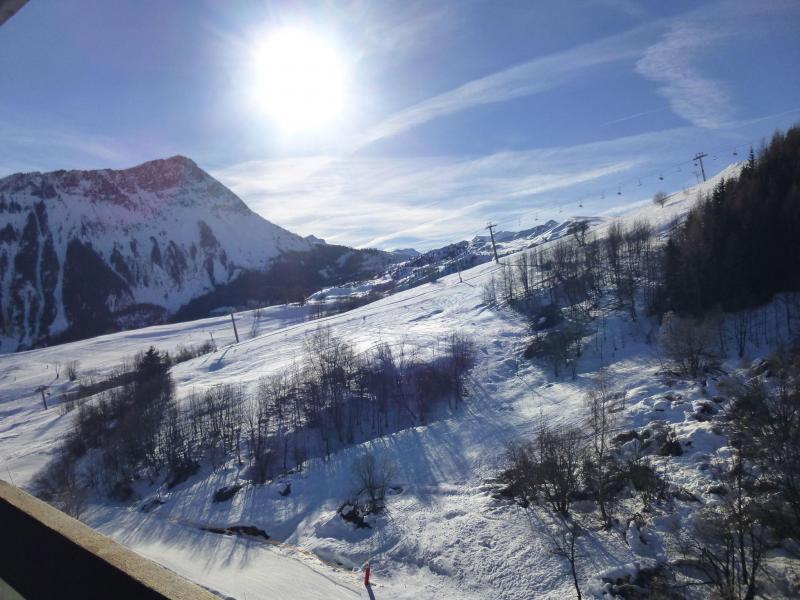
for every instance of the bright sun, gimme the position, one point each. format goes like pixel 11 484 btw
pixel 300 80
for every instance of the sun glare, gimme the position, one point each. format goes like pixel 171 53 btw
pixel 299 80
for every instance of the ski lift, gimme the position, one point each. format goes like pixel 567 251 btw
pixel 714 157
pixel 639 183
pixel 580 204
pixel 735 153
pixel 661 176
pixel 619 191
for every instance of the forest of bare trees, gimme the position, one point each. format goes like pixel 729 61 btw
pixel 333 397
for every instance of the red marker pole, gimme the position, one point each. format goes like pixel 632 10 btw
pixel 366 576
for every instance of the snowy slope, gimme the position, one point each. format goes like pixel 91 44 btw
pixel 445 535
pixel 432 264
pixel 148 239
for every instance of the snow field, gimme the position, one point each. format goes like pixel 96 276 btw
pixel 445 535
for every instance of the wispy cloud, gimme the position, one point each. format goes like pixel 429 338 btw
pixel 28 147
pixel 631 117
pixel 391 202
pixel 632 8
pixel 671 62
pixel 526 79
pixel 405 27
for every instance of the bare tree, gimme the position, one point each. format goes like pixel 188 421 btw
pixel 371 477
pixel 686 341
pixel 546 470
pixel 602 404
pixel 507 282
pixel 461 357
pixel 660 198
pixel 489 292
pixel 523 273
pixel 72 369
pixel 579 229
pixel 741 329
pixel 563 539
pixel 561 454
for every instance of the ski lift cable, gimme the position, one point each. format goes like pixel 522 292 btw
pixel 638 181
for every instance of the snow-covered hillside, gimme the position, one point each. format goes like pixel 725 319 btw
pixel 445 534
pixel 90 249
pixel 418 268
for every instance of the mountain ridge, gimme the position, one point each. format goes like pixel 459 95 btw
pixel 86 252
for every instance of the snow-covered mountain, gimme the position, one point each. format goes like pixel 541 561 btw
pixel 418 268
pixel 406 253
pixel 85 252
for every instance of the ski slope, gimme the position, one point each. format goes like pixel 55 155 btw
pixel 445 535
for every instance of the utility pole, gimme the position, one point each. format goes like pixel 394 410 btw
pixel 41 389
pixel 235 333
pixel 490 227
pixel 699 157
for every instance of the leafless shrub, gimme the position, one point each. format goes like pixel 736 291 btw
pixel 61 485
pixel 547 470
pixel 184 353
pixel 686 341
pixel 73 367
pixel 559 346
pixel 651 485
pixel 371 478
pixel 727 541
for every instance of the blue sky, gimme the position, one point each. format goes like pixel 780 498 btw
pixel 456 112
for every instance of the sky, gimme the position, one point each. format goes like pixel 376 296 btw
pixel 444 116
